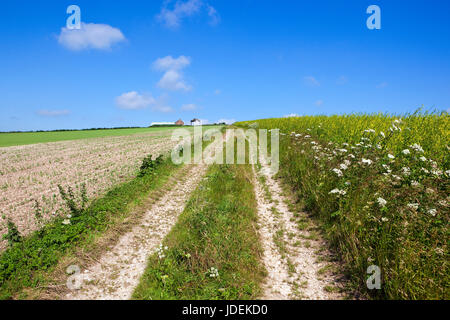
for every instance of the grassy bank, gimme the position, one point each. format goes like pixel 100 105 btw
pixel 26 263
pixel 380 186
pixel 213 251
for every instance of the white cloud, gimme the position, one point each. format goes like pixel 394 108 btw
pixel 53 113
pixel 342 80
pixel 172 18
pixel 161 104
pixel 90 36
pixel 291 115
pixel 226 121
pixel 133 101
pixel 311 81
pixel 382 85
pixel 173 76
pixel 173 80
pixel 188 107
pixel 214 18
pixel 169 63
pixel 204 121
pixel 319 103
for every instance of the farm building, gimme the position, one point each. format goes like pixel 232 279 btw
pixel 196 122
pixel 179 122
pixel 162 124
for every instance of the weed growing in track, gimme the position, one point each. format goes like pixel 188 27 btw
pixel 213 250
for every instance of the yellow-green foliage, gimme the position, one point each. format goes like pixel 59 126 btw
pixel 380 185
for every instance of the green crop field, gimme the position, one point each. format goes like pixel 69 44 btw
pixel 380 186
pixel 22 138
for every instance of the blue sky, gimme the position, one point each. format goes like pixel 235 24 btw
pixel 135 62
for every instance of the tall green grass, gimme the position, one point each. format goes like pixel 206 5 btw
pixel 380 186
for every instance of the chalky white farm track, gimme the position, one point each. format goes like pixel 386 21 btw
pixel 33 172
pixel 298 263
pixel 118 271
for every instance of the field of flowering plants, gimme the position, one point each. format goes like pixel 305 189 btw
pixel 379 184
pixel 30 174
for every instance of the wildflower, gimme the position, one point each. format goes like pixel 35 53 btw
pixel 343 166
pixel 406 171
pixel 447 172
pixel 432 212
pixel 66 221
pixel 161 250
pixel 369 131
pixel 424 170
pixel 442 203
pixel 436 172
pixel 338 172
pixel 413 206
pixel 406 152
pixel 381 202
pixel 417 147
pixel 366 161
pixel 382 134
pixel 213 272
pixel 342 150
pixel 422 158
pixel 351 156
pixel 347 183
pixel 307 136
pixel 384 219
pixel 414 183
pixel 339 192
pixel 439 251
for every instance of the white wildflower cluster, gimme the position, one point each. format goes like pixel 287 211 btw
pixel 161 251
pixel 67 221
pixel 395 126
pixel 432 212
pixel 338 172
pixel 406 171
pixel 338 192
pixel 366 161
pixel 406 152
pixel 413 206
pixel 381 202
pixel 213 272
pixel 369 131
pixel 416 147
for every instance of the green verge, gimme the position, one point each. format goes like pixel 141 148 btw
pixel 25 264
pixel 217 230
